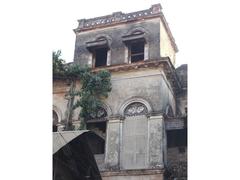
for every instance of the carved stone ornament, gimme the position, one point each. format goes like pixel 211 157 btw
pixel 101 113
pixel 135 109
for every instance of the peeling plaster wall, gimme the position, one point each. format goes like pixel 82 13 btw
pixel 149 84
pixel 117 47
pixel 60 89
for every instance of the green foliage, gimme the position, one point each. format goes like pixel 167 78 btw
pixel 95 86
pixel 58 64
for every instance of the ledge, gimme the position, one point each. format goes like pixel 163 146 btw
pixel 163 62
pixel 132 172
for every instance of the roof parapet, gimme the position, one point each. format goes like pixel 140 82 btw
pixel 117 18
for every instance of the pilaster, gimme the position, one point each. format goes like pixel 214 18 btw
pixel 155 140
pixel 112 148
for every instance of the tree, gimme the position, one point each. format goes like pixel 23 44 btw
pixel 95 87
pixel 58 63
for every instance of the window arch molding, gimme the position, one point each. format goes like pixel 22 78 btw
pixel 136 42
pixel 104 36
pixel 134 100
pixel 137 31
pixel 100 48
pixel 100 37
pixel 107 110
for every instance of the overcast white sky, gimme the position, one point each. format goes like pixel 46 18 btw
pixel 64 38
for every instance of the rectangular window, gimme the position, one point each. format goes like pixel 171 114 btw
pixel 100 56
pixel 136 51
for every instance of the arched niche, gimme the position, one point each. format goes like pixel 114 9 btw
pixel 97 123
pixel 58 113
pixel 56 118
pixel 134 152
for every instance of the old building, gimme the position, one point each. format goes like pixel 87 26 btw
pixel 142 128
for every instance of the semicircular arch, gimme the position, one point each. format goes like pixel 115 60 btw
pixel 135 100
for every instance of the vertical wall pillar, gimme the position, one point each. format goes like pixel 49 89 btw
pixel 109 58
pixel 146 50
pixel 112 152
pixel 156 141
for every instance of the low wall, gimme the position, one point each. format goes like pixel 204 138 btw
pixel 145 174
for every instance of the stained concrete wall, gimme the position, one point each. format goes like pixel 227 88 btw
pixel 149 84
pixel 60 102
pixel 166 48
pixel 134 151
pixel 117 47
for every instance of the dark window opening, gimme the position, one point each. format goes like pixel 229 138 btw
pixel 100 57
pixel 177 138
pixel 137 51
pixel 97 142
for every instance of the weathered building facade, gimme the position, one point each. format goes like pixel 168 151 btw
pixel 142 125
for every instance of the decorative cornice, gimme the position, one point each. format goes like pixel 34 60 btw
pixel 164 63
pixel 118 18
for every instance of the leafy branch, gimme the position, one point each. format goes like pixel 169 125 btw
pixel 94 87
